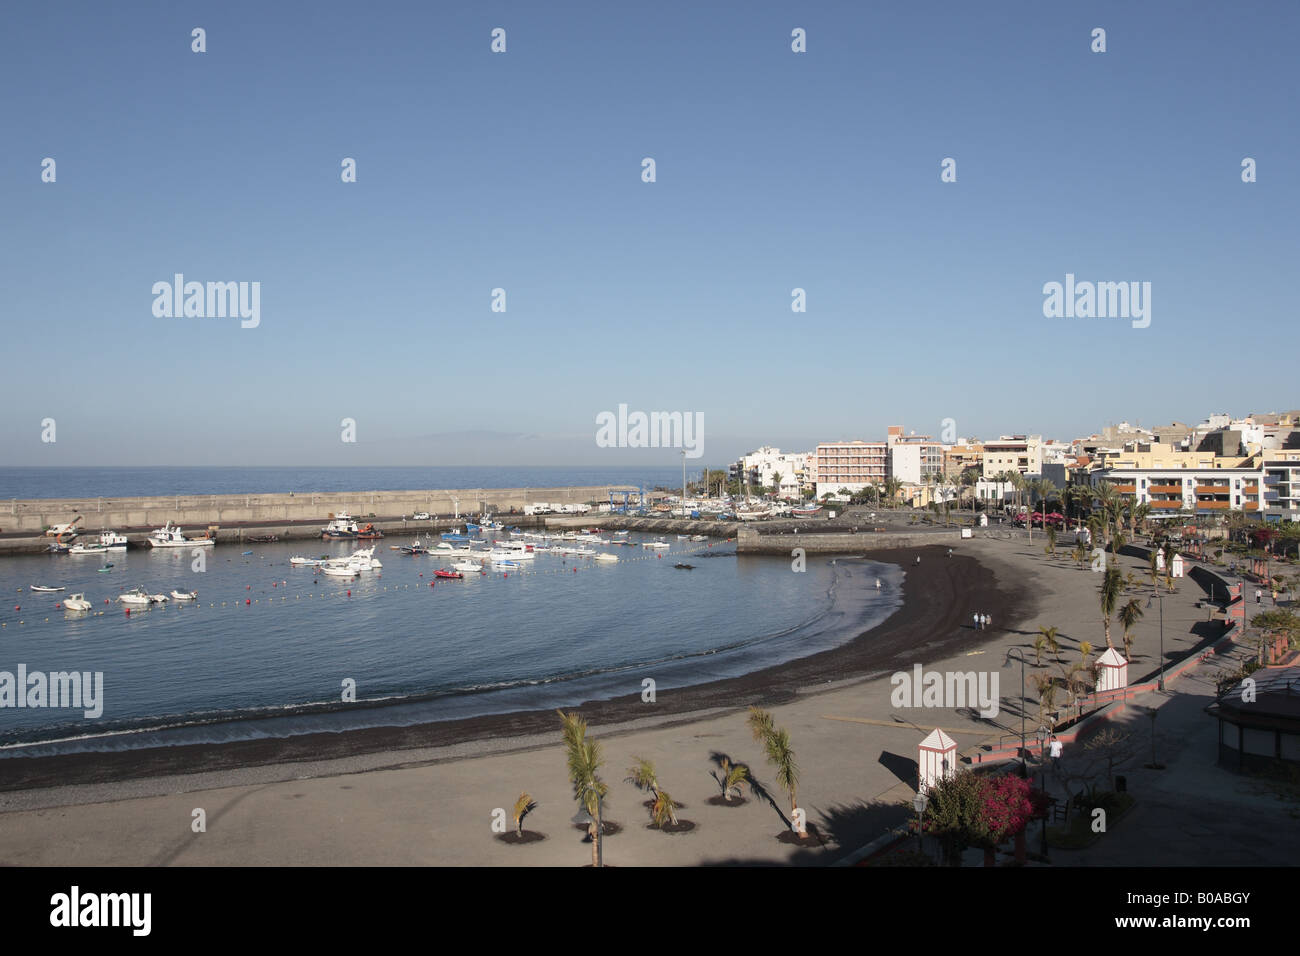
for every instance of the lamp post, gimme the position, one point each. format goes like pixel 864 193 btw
pixel 1042 779
pixel 1160 682
pixel 918 804
pixel 1020 657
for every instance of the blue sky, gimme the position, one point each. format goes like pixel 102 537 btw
pixel 522 171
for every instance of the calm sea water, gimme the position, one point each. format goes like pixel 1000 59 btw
pixel 268 647
pixel 134 482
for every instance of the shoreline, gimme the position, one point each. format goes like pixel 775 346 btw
pixel 939 596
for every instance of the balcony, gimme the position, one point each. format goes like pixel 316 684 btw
pixel 1126 489
pixel 1213 505
pixel 1250 506
pixel 1166 505
pixel 1165 489
pixel 1213 490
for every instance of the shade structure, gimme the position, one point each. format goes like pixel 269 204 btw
pixel 936 759
pixel 1112 670
pixel 1177 566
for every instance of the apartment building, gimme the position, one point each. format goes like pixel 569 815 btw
pixel 1206 491
pixel 957 458
pixel 1022 453
pixel 854 465
pixel 760 468
pixel 913 459
pixel 1282 486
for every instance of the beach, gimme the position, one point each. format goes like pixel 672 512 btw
pixel 426 795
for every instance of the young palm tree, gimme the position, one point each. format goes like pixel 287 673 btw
pixel 1169 552
pixel 1048 635
pixel 585 760
pixel 1085 651
pixel 892 487
pixel 523 806
pixel 1045 684
pixel 1051 540
pixel 1112 586
pixel 1129 615
pixel 1079 554
pixel 1040 643
pixel 776 747
pixel 1155 567
pixel 733 775
pixel 781 756
pixel 643 777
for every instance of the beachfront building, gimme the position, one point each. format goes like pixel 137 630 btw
pixel 853 465
pixel 760 468
pixel 964 454
pixel 913 459
pixel 1022 453
pixel 1204 491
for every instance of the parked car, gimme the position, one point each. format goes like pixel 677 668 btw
pixel 420 516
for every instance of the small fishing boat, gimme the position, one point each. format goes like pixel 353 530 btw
pixel 472 528
pixel 683 537
pixel 468 567
pixel 171 536
pixel 621 534
pixel 413 549
pixel 88 548
pixel 369 533
pixel 76 602
pixel 685 567
pixel 699 537
pixel 606 557
pixel 453 536
pixel 157 599
pixel 305 562
pixel 657 545
pixel 57 548
pixel 112 540
pixel 246 553
pixel 43 588
pixel 506 564
pixel 185 595
pixel 107 567
pixel 444 573
pixel 135 597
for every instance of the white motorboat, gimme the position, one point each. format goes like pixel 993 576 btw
pixel 468 566
pixel 657 545
pixel 513 549
pixel 171 536
pixel 88 548
pixel 76 602
pixel 506 564
pixel 157 599
pixel 342 569
pixel 135 597
pixel 606 557
pixel 364 559
pixel 621 534
pixel 43 588
pixel 699 537
pixel 306 562
pixel 185 595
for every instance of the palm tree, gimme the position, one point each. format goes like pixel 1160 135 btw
pixel 1040 642
pixel 1108 498
pixel 776 747
pixel 1169 552
pixel 1049 638
pixel 523 806
pixel 1155 567
pixel 1112 586
pixel 643 777
pixel 776 484
pixel 733 775
pixel 1080 553
pixel 585 760
pixel 1129 615
pixel 1085 651
pixel 1045 684
pixel 892 487
pixel 1051 541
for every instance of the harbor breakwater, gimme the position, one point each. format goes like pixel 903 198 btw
pixel 236 517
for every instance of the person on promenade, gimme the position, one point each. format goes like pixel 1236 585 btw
pixel 918 559
pixel 987 621
pixel 1054 750
pixel 877 584
pixel 976 618
pixel 1259 595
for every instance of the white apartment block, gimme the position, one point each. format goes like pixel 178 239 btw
pixel 1207 491
pixel 759 468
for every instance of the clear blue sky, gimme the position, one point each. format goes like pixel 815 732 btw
pixel 523 171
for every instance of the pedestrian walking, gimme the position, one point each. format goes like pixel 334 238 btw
pixel 877 584
pixel 918 559
pixel 1054 749
pixel 987 621
pixel 976 619
pixel 1259 595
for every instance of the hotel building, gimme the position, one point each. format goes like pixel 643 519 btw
pixel 853 465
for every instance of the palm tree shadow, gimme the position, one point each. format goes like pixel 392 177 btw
pixel 904 768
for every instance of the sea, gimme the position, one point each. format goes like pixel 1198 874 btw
pixel 273 650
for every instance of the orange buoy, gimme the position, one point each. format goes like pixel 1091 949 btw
pixel 247 601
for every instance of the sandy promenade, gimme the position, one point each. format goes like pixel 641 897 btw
pixel 431 801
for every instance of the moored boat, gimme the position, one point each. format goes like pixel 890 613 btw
pixel 342 525
pixel 88 547
pixel 136 597
pixel 447 573
pixel 171 536
pixel 185 595
pixel 76 602
pixel 468 567
pixel 43 588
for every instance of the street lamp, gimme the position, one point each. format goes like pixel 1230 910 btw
pixel 1042 780
pixel 1160 683
pixel 918 804
pixel 1019 655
